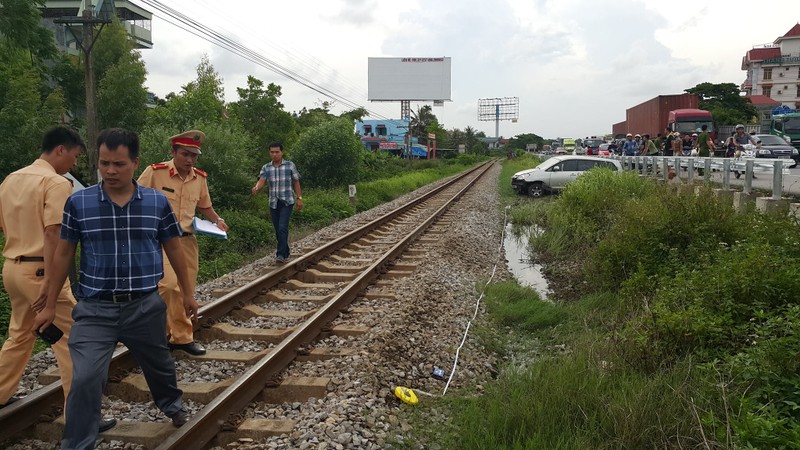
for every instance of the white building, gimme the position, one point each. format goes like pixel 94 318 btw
pixel 773 70
pixel 134 18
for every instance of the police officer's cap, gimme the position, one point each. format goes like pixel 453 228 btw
pixel 189 140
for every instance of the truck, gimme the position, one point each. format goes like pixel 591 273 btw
pixel 690 120
pixel 787 126
pixel 653 116
pixel 569 145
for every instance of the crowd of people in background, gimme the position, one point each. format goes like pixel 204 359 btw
pixel 683 144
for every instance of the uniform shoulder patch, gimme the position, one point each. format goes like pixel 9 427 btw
pixel 158 166
pixel 200 172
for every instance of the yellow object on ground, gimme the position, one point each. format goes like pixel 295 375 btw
pixel 406 395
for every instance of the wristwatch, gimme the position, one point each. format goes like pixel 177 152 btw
pixel 299 198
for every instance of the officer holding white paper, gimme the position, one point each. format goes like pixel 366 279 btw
pixel 187 190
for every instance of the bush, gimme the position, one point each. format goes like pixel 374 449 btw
pixel 328 154
pixel 250 234
pixel 322 208
pixel 713 309
pixel 700 290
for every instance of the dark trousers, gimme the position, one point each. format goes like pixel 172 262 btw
pixel 140 325
pixel 280 220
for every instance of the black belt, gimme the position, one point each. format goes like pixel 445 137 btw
pixel 121 297
pixel 29 259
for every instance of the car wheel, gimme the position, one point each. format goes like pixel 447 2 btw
pixel 536 190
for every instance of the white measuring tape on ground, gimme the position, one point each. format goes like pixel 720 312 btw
pixel 478 302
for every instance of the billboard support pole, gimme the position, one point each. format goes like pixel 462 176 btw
pixel 497 121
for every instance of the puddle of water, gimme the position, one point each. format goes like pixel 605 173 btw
pixel 525 271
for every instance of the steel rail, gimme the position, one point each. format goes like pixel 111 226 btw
pixel 30 409
pixel 207 423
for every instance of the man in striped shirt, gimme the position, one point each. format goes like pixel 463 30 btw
pixel 122 228
pixel 283 182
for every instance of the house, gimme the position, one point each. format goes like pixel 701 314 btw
pixel 773 70
pixel 388 135
pixel 764 105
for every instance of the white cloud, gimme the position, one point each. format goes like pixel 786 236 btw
pixel 576 65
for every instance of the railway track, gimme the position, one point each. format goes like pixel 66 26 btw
pixel 287 309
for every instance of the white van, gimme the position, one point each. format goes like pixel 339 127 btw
pixel 556 172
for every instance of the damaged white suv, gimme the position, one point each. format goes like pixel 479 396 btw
pixel 555 173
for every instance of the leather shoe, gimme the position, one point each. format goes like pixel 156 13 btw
pixel 9 401
pixel 180 418
pixel 106 425
pixel 192 348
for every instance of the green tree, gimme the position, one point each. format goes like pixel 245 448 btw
pixel 328 154
pixel 521 141
pixel 724 103
pixel 121 96
pixel 261 114
pixel 420 120
pixel 67 72
pixel 20 26
pixel 201 100
pixel 355 115
pixel 470 139
pixel 120 74
pixel 28 105
pixel 442 136
pixel 309 118
pixel 112 45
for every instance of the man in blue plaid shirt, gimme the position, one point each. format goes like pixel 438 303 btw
pixel 283 182
pixel 121 227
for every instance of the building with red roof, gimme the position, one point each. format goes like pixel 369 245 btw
pixel 773 71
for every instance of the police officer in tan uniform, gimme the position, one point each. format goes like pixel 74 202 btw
pixel 31 205
pixel 187 190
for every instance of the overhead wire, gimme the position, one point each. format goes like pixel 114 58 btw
pixel 196 28
pixel 307 61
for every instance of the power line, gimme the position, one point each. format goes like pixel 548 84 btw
pixel 304 59
pixel 196 28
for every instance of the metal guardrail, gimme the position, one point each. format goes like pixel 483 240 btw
pixel 661 165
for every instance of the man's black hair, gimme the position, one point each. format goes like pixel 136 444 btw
pixel 278 144
pixel 61 136
pixel 704 127
pixel 114 137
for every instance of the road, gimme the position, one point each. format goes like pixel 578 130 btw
pixel 791 182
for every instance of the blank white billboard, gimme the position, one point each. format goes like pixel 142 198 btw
pixel 413 78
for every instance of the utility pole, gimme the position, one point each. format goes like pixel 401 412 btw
pixel 86 42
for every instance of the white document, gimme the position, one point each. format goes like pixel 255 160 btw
pixel 203 226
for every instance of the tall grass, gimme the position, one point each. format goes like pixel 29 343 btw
pixel 373 193
pixel 521 308
pixel 577 402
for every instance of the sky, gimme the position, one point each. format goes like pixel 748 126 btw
pixel 575 65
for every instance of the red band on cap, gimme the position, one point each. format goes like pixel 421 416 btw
pixel 186 142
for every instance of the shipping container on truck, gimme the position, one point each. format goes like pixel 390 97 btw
pixel 651 116
pixel 619 129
